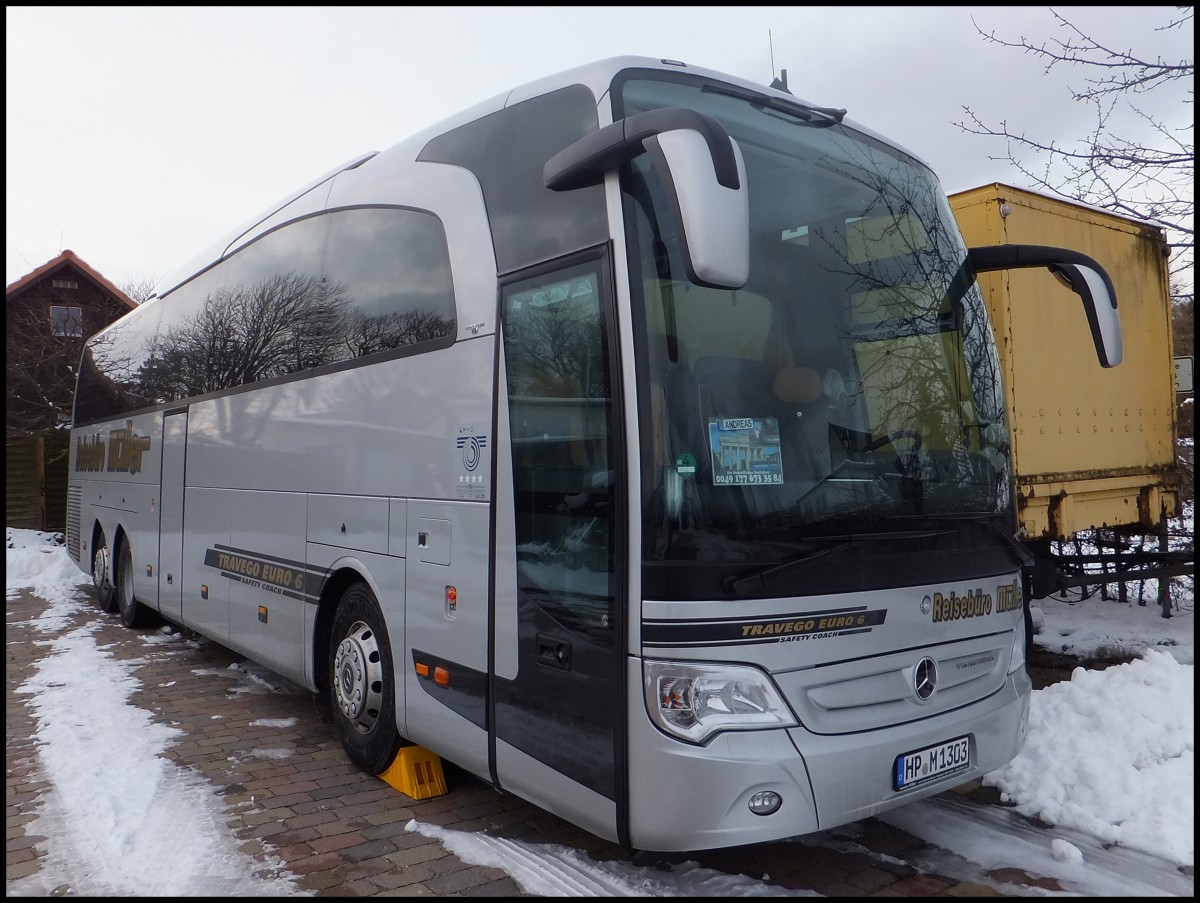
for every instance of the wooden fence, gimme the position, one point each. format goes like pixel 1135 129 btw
pixel 35 480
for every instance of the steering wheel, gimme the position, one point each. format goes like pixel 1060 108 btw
pixel 912 435
pixel 906 464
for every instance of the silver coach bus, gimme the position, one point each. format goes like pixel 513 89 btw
pixel 634 441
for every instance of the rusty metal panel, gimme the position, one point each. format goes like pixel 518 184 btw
pixel 1092 446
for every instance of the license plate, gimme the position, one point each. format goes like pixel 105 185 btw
pixel 923 765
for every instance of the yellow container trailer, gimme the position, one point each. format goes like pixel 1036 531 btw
pixel 1093 447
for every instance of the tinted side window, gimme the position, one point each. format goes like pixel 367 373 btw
pixel 507 152
pixel 110 381
pixel 391 268
pixel 258 315
pixel 316 293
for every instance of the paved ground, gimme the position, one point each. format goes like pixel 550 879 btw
pixel 343 832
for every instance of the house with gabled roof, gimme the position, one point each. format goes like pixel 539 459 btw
pixel 48 314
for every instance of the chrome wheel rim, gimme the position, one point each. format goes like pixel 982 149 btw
pixel 358 677
pixel 100 568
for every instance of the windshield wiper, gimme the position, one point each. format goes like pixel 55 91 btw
pixel 821 117
pixel 822 545
pixel 1023 555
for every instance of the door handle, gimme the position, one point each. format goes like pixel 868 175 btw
pixel 554 652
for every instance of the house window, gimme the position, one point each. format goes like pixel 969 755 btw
pixel 66 321
pixel 64 283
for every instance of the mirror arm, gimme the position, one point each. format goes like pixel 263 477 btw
pixel 586 161
pixel 1007 257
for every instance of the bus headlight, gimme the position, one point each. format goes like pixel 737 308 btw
pixel 694 701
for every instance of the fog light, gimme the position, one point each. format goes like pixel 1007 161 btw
pixel 765 802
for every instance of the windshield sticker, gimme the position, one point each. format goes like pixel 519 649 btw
pixel 745 451
pixel 685 465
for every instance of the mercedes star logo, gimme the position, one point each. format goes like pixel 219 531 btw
pixel 925 679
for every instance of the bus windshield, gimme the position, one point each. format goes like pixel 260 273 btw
pixel 850 387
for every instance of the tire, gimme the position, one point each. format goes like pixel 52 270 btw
pixel 102 574
pixel 133 613
pixel 362 686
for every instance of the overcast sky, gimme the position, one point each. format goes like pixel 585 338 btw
pixel 136 137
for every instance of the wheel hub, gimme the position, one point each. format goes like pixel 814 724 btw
pixel 100 568
pixel 358 677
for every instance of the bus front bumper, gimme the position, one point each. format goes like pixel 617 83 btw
pixel 684 797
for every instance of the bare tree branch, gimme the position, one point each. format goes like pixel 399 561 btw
pixel 1149 179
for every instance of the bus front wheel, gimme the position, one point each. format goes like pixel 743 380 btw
pixel 362 682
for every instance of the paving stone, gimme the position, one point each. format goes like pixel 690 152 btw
pixel 968 889
pixel 921 886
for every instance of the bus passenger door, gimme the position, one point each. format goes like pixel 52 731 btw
pixel 558 681
pixel 170 524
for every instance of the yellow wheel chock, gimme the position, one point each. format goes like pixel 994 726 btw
pixel 416 772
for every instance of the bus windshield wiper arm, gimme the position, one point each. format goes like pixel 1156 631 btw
pixel 1018 548
pixel 817 116
pixel 823 545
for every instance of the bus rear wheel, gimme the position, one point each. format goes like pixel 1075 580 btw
pixel 362 681
pixel 133 612
pixel 102 577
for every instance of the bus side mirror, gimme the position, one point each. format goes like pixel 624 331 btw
pixel 1080 273
pixel 701 167
pixel 1100 304
pixel 713 221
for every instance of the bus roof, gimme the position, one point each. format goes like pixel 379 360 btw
pixel 597 76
